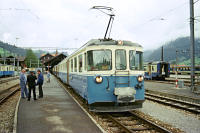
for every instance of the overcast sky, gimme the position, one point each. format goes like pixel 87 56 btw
pixel 70 23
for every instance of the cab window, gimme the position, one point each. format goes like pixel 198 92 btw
pixel 120 59
pixel 99 60
pixel 136 60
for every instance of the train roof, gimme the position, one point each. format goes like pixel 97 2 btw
pixel 156 62
pixel 111 42
pixel 106 42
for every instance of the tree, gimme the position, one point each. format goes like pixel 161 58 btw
pixel 31 59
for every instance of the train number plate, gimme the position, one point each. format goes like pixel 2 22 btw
pixel 126 91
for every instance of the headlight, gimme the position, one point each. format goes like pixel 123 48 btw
pixel 99 79
pixel 140 78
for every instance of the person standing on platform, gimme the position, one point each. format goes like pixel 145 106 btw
pixel 31 85
pixel 40 81
pixel 23 84
pixel 48 76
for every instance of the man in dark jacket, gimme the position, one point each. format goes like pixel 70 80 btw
pixel 40 81
pixel 31 85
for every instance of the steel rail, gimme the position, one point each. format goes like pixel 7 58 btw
pixel 191 107
pixel 152 125
pixel 7 80
pixel 5 90
pixel 122 126
pixel 2 100
pixel 167 82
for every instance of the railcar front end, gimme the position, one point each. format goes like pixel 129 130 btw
pixel 108 75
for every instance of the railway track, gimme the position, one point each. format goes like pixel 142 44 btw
pixel 7 79
pixel 130 122
pixel 184 105
pixel 187 81
pixel 168 82
pixel 123 122
pixel 4 95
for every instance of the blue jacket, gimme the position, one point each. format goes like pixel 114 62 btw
pixel 22 80
pixel 40 79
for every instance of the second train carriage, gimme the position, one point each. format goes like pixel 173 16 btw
pixel 7 70
pixel 1 70
pixel 184 69
pixel 157 70
pixel 108 74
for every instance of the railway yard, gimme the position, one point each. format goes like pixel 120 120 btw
pixel 58 74
pixel 166 109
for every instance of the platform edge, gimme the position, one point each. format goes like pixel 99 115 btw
pixel 16 115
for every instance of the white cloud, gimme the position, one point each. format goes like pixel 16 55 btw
pixel 6 37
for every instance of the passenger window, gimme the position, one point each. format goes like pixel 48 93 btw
pixel 72 65
pixel 85 61
pixel 75 64
pixel 80 61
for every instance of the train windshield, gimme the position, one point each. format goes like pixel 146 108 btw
pixel 99 60
pixel 136 60
pixel 120 59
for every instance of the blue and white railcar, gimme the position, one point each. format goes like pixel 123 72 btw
pixel 1 70
pixel 54 70
pixel 157 70
pixel 62 67
pixel 108 74
pixel 8 70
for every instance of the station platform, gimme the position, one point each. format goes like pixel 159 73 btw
pixel 170 90
pixel 56 112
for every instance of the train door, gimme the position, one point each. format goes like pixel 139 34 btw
pixel 149 69
pixel 165 69
pixel 67 72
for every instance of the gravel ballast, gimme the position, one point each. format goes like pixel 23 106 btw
pixel 179 119
pixel 7 113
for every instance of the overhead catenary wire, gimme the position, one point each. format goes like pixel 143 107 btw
pixel 160 17
pixel 28 10
pixel 21 9
pixel 195 1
